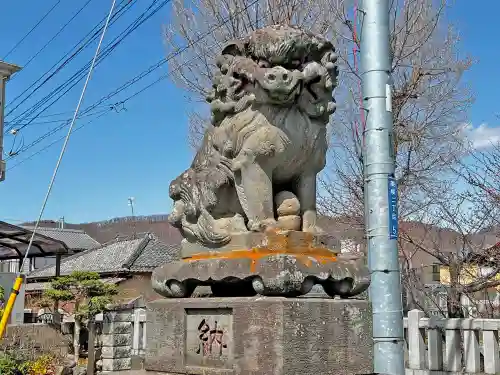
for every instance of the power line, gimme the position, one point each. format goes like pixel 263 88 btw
pixel 163 61
pixel 132 81
pixel 80 73
pixel 56 35
pixel 53 121
pixel 56 141
pixel 19 278
pixel 53 114
pixel 51 184
pixel 44 136
pixel 78 76
pixel 31 30
pixel 126 85
pixel 93 33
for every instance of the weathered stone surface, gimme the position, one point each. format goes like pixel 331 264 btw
pixel 29 340
pixel 246 207
pixel 63 370
pixel 117 364
pixel 137 361
pixel 270 103
pixel 289 222
pixel 110 328
pixel 118 316
pixel 69 361
pixel 80 370
pixel 116 339
pixel 287 203
pixel 256 336
pixel 271 240
pixel 285 263
pixel 271 275
pixel 116 352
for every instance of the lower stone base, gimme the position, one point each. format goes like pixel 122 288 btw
pixel 259 336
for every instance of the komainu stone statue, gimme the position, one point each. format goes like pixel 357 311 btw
pixel 247 205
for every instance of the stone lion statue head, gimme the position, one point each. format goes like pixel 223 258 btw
pixel 277 65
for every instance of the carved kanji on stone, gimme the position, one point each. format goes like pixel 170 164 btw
pixel 211 341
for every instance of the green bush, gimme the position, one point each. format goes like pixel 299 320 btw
pixel 10 365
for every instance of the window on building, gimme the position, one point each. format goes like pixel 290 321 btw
pixel 436 272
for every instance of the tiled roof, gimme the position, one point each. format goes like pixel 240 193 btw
pixel 31 287
pixel 73 238
pixel 155 254
pixel 120 257
pixel 106 259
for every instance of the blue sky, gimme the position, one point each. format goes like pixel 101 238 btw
pixel 137 151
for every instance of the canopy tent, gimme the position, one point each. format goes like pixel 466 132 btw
pixel 14 241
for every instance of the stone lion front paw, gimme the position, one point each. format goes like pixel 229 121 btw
pixel 262 225
pixel 314 229
pixel 237 165
pixel 244 158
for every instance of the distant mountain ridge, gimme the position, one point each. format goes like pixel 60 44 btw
pixel 110 229
pixel 119 227
pixel 107 230
pixel 148 218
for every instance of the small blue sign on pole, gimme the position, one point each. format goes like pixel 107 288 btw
pixel 393 208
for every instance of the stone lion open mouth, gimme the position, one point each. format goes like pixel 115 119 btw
pixel 284 97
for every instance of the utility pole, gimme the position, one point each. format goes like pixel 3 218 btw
pixel 6 70
pixel 131 204
pixel 381 190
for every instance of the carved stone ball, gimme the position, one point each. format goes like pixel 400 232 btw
pixel 287 203
pixel 289 222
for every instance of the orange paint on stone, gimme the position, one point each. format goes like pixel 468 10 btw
pixel 278 244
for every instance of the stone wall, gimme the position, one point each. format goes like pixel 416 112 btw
pixel 122 343
pixel 32 340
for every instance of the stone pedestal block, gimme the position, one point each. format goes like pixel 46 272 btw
pixel 259 336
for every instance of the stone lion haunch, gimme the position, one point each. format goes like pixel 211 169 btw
pixel 271 101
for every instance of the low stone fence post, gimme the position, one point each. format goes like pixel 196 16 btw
pixel 123 337
pixel 139 334
pixel 470 346
pixel 116 340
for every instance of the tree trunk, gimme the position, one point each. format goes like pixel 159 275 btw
pixel 76 339
pixel 454 299
pixel 91 348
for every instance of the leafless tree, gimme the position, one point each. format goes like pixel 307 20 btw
pixel 462 232
pixel 430 104
pixel 207 25
pixel 458 236
pixel 429 100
